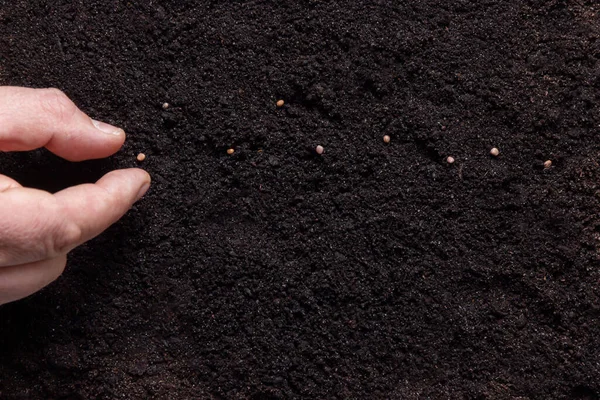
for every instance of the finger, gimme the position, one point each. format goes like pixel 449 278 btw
pixel 34 118
pixel 93 208
pixel 35 225
pixel 8 183
pixel 20 281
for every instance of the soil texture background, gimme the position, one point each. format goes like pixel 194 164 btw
pixel 372 271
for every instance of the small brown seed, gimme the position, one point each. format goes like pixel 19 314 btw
pixel 386 139
pixel 230 151
pixel 450 160
pixel 494 152
pixel 165 106
pixel 547 164
pixel 280 103
pixel 320 149
pixel 141 157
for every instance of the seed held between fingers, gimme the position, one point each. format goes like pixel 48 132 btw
pixel 141 157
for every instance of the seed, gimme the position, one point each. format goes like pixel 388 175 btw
pixel 319 149
pixel 141 157
pixel 165 106
pixel 280 103
pixel 547 164
pixel 450 160
pixel 494 152
pixel 230 151
pixel 386 139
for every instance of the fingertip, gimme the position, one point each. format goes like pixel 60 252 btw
pixel 103 139
pixel 88 146
pixel 33 118
pixel 107 128
pixel 87 139
pixel 128 181
pixel 140 179
pixel 140 175
pixel 114 144
pixel 145 179
pixel 117 139
pixel 142 192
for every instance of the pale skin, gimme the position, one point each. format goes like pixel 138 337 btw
pixel 39 229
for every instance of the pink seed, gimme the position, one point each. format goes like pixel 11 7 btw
pixel 320 149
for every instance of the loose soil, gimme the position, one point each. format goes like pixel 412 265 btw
pixel 372 271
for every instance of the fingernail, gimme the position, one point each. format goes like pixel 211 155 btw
pixel 107 128
pixel 143 191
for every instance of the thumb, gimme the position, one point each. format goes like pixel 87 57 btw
pixel 35 225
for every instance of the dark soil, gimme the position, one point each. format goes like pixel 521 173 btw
pixel 374 271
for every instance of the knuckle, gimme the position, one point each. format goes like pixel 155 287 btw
pixel 67 236
pixel 63 234
pixel 42 231
pixel 57 105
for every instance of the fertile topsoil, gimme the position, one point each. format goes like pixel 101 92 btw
pixel 372 271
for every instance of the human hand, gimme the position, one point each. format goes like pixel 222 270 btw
pixel 38 229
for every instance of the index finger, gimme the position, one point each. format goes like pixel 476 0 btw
pixel 34 118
